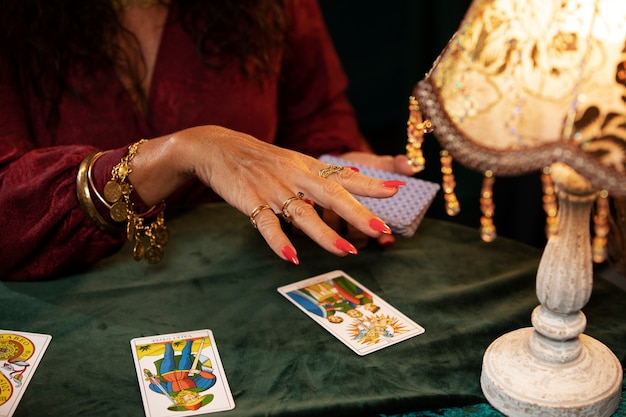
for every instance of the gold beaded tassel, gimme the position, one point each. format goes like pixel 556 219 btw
pixel 451 202
pixel 550 206
pixel 600 227
pixel 416 128
pixel 487 208
pixel 117 192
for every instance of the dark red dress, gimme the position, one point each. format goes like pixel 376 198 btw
pixel 43 230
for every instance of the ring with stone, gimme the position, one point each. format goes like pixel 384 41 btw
pixel 283 211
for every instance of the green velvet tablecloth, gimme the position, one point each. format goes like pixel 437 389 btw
pixel 219 274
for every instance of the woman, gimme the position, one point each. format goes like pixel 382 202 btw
pixel 237 98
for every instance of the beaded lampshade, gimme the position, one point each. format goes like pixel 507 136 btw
pixel 539 85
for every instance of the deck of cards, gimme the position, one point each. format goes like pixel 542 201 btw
pixel 404 211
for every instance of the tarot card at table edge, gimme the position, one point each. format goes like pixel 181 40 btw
pixel 181 374
pixel 352 313
pixel 20 354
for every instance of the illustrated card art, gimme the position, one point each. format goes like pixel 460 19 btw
pixel 352 313
pixel 20 354
pixel 181 374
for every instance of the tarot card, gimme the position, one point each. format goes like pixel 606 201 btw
pixel 181 374
pixel 353 314
pixel 20 354
pixel 404 211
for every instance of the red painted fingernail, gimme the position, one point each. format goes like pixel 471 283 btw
pixel 355 169
pixel 380 226
pixel 394 184
pixel 311 202
pixel 386 243
pixel 290 254
pixel 346 246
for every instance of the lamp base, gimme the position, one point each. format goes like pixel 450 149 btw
pixel 518 384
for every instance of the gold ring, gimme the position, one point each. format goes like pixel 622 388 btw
pixel 330 169
pixel 256 211
pixel 283 210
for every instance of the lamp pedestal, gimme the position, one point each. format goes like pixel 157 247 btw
pixel 552 369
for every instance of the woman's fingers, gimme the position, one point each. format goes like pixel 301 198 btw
pixel 305 218
pixel 398 163
pixel 386 240
pixel 333 220
pixel 268 224
pixel 335 193
pixel 359 184
pixel 261 180
pixel 250 174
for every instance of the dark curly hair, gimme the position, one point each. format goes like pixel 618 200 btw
pixel 45 40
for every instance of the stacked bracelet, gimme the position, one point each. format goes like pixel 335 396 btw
pixel 117 192
pixel 117 200
pixel 84 192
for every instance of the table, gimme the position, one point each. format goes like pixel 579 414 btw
pixel 219 274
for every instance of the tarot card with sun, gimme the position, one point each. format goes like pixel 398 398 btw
pixel 349 311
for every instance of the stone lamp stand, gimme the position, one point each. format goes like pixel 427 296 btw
pixel 553 369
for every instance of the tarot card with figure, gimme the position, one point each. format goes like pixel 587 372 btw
pixel 20 354
pixel 181 374
pixel 348 310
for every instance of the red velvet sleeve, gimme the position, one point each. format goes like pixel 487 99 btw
pixel 44 232
pixel 315 114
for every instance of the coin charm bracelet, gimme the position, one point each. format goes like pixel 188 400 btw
pixel 150 239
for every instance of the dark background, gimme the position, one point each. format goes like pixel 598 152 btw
pixel 386 47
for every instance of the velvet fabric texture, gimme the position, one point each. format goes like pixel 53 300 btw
pixel 44 231
pixel 220 275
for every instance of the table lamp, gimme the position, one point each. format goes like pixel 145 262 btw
pixel 526 86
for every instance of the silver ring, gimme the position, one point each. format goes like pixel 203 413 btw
pixel 283 210
pixel 256 211
pixel 330 169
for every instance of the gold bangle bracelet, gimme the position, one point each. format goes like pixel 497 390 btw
pixel 83 192
pixel 90 179
pixel 151 211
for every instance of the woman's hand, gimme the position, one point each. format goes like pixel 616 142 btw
pixel 398 164
pixel 248 173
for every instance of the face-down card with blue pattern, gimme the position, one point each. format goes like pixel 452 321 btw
pixel 404 211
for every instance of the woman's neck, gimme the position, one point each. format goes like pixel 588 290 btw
pixel 146 24
pixel 123 5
